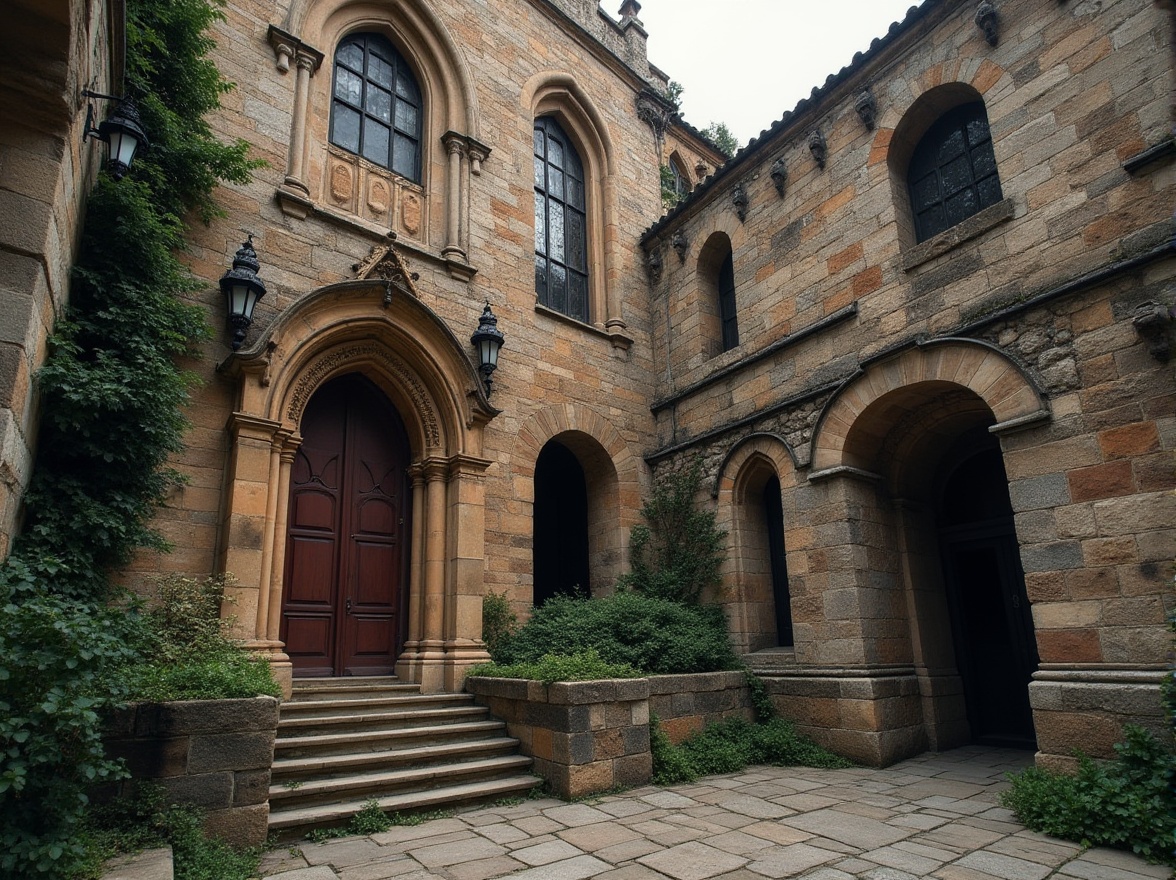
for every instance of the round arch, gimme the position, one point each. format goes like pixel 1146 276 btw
pixel 855 419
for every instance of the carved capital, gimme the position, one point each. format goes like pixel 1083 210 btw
pixel 454 143
pixel 288 47
pixel 308 59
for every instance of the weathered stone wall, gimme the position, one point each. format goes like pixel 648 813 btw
pixel 215 754
pixel 846 368
pixel 685 704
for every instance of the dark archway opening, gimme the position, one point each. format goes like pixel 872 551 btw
pixel 560 546
pixel 991 623
pixel 774 521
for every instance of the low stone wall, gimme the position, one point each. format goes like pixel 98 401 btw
pixel 593 736
pixel 213 753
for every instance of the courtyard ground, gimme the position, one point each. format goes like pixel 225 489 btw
pixel 935 816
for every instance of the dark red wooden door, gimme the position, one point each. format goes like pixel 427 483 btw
pixel 346 549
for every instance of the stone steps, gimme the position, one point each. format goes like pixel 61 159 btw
pixel 344 742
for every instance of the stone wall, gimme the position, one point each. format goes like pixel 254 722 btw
pixel 592 736
pixel 215 754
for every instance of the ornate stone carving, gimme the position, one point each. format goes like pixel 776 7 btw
pixel 385 262
pixel 655 111
pixel 320 369
pixel 379 196
pixel 818 147
pixel 341 183
pixel 988 20
pixel 779 175
pixel 1153 322
pixel 739 200
pixel 867 109
pixel 680 244
pixel 653 265
pixel 410 213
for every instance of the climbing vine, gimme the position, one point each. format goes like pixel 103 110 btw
pixel 111 401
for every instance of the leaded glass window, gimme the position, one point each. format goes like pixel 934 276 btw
pixel 952 173
pixel 561 229
pixel 727 314
pixel 376 105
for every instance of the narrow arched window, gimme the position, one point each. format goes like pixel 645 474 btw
pixel 953 173
pixel 376 105
pixel 727 315
pixel 681 182
pixel 561 233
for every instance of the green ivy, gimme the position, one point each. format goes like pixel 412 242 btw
pixel 111 397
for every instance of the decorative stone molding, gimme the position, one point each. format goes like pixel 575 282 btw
pixel 739 200
pixel 988 20
pixel 680 244
pixel 818 147
pixel 1153 322
pixel 867 108
pixel 779 175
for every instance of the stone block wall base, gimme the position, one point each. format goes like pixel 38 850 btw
pixel 874 717
pixel 1084 709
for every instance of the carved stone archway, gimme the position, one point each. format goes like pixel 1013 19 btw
pixel 378 328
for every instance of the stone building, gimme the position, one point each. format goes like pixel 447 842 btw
pixel 916 333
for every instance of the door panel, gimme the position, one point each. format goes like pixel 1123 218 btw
pixel 344 565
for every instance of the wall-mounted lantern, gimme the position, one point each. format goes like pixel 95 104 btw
pixel 487 339
pixel 122 130
pixel 242 289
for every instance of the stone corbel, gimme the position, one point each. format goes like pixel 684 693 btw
pixel 818 147
pixel 654 265
pixel 680 244
pixel 478 153
pixel 867 109
pixel 739 200
pixel 1153 322
pixel 779 175
pixel 988 20
pixel 655 111
pixel 284 45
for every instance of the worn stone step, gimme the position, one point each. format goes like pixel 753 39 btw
pixel 379 740
pixel 356 721
pixel 362 786
pixel 348 687
pixel 376 702
pixel 325 815
pixel 286 769
pixel 346 681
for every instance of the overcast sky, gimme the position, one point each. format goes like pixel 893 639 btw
pixel 744 62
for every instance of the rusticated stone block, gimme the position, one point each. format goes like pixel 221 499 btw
pixel 239 826
pixel 635 769
pixel 231 751
pixel 251 787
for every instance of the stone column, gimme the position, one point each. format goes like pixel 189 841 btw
pixel 464 586
pixel 455 197
pixel 431 651
pixel 305 64
pixel 416 599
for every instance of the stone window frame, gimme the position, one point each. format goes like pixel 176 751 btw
pixel 916 122
pixel 719 314
pixel 572 256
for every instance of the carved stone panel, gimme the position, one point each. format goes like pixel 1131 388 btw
pixel 410 213
pixel 341 183
pixel 379 197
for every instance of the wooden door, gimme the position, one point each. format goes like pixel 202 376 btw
pixel 346 555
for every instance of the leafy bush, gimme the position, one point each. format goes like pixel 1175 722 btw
pixel 654 636
pixel 731 745
pixel 498 620
pixel 1128 803
pixel 189 656
pixel 585 666
pixel 677 554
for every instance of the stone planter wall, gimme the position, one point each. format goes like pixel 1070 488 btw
pixel 213 753
pixel 593 736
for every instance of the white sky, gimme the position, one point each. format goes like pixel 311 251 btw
pixel 744 62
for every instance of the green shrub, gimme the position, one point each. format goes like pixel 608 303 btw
pixel 1128 803
pixel 654 636
pixel 731 745
pixel 678 552
pixel 499 621
pixel 585 666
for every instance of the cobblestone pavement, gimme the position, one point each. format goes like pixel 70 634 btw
pixel 935 816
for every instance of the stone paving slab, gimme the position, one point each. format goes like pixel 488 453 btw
pixel 935 817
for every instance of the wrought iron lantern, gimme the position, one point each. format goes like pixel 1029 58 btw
pixel 122 131
pixel 487 339
pixel 242 289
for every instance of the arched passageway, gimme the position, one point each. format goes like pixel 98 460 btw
pixel 560 546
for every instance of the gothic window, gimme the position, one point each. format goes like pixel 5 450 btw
pixel 727 317
pixel 561 237
pixel 952 173
pixel 376 105
pixel 681 180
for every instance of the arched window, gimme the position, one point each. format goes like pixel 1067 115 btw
pixel 561 236
pixel 376 105
pixel 681 181
pixel 727 316
pixel 952 174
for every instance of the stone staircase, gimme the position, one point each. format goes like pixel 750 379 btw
pixel 344 741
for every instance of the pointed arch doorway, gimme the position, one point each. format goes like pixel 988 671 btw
pixel 346 548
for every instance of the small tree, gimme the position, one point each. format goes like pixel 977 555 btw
pixel 677 554
pixel 722 137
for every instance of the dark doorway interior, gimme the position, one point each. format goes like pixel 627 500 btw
pixel 560 548
pixel 774 514
pixel 346 556
pixel 991 622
